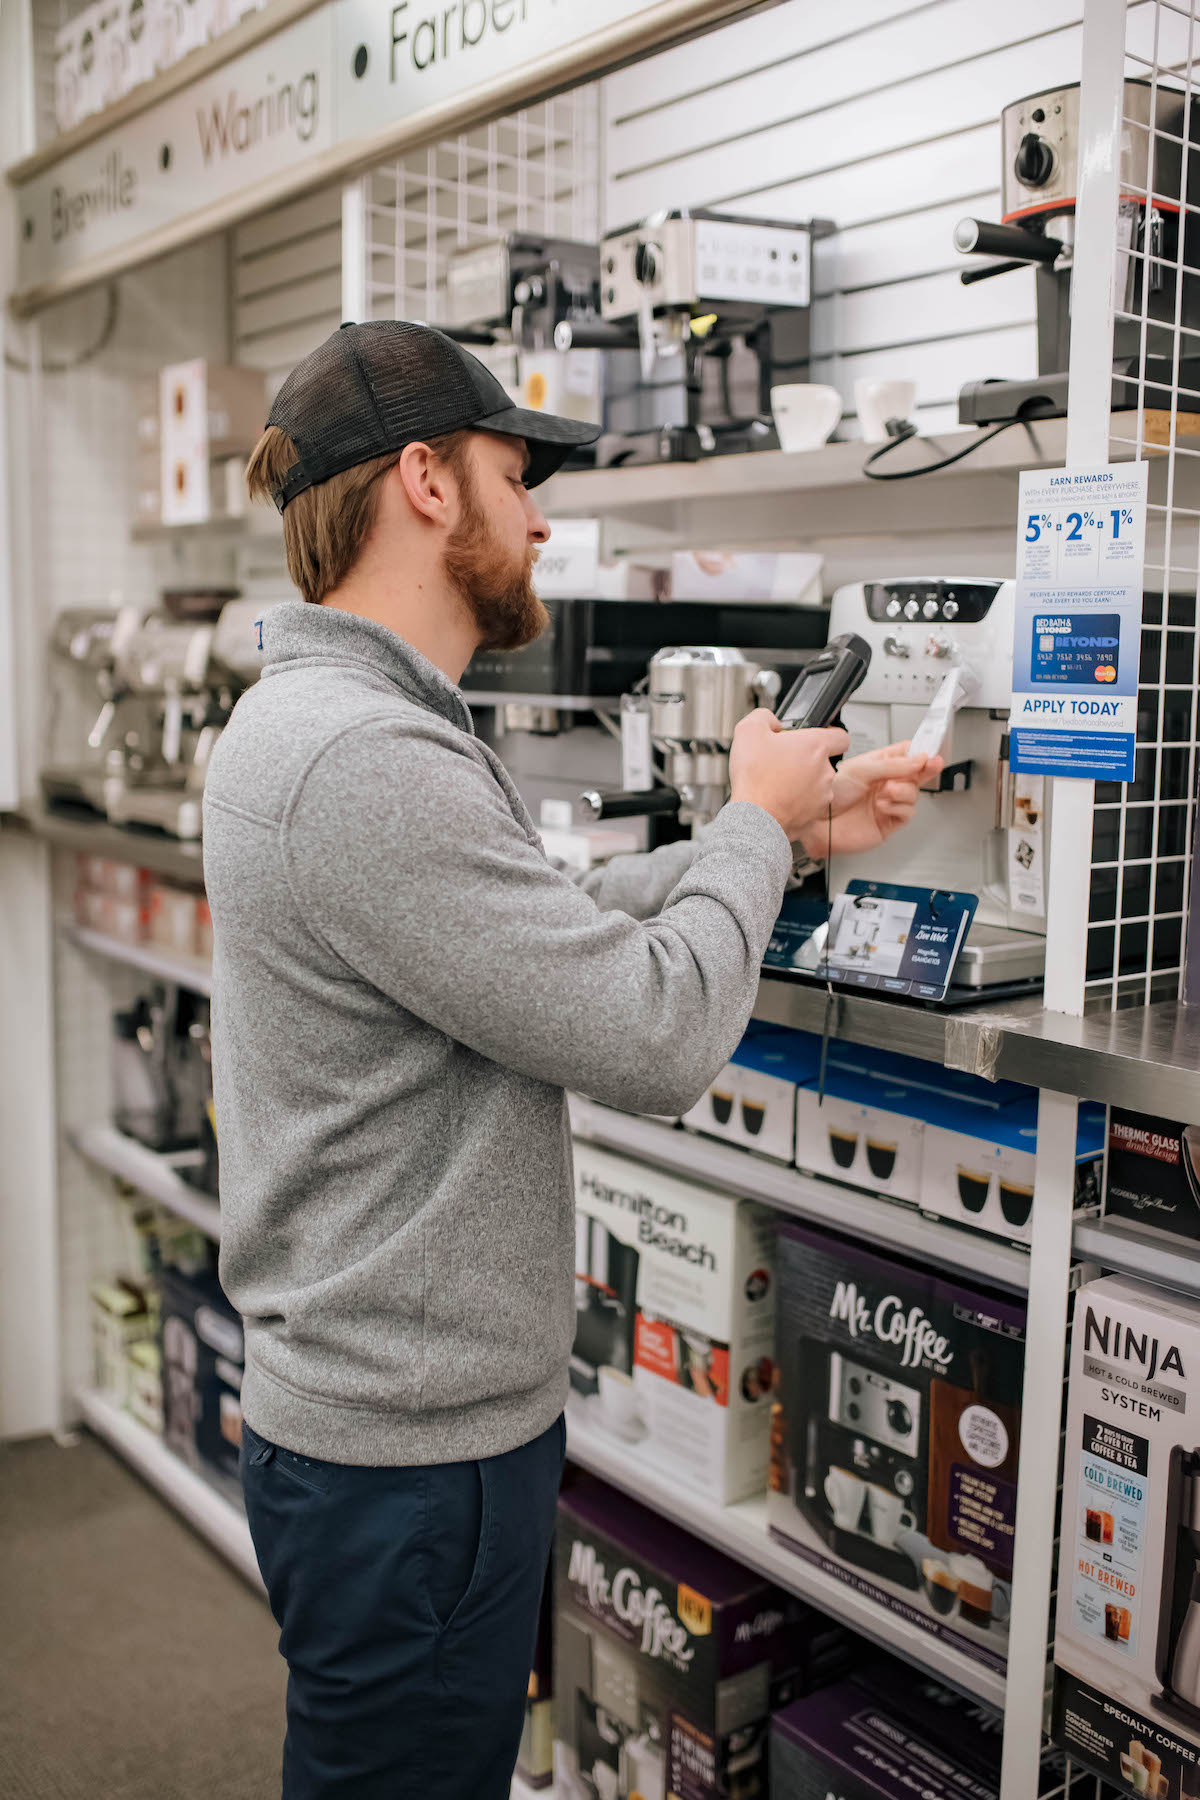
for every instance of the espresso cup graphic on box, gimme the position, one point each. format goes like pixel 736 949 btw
pixel 1016 1202
pixel 842 1147
pixel 753 1114
pixel 973 1185
pixel 722 1106
pixel 881 1158
pixel 941 1587
pixel 888 1514
pixel 845 1493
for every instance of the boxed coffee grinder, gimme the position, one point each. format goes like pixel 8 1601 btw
pixel 895 1433
pixel 1127 1643
pixel 669 1658
pixel 674 1322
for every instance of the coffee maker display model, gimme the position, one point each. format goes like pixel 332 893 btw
pixel 724 301
pixel 964 834
pixel 606 1273
pixel 1039 183
pixel 1177 1660
pixel 84 720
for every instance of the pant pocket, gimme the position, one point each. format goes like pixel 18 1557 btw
pixel 457 1530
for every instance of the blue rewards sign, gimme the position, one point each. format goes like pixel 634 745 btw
pixel 1080 550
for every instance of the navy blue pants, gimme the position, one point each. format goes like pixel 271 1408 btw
pixel 407 1603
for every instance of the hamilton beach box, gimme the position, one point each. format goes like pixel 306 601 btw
pixel 895 1433
pixel 669 1657
pixel 1127 1645
pixel 675 1297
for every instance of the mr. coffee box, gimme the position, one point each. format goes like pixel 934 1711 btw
pixel 669 1657
pixel 1152 1172
pixel 895 1433
pixel 674 1322
pixel 1127 1646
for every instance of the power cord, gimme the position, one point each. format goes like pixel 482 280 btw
pixel 901 430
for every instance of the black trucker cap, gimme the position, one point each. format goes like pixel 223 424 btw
pixel 375 387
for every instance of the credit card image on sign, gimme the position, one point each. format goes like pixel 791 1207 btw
pixel 920 631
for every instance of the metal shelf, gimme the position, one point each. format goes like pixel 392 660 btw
pixel 205 1507
pixel 169 965
pixel 152 1175
pixel 741 1531
pixel 884 1223
pixel 1151 1255
pixel 123 843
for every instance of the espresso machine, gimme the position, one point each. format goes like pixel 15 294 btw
pixel 723 302
pixel 1039 182
pixel 979 829
pixel 83 723
pixel 1177 1658
pixel 606 1272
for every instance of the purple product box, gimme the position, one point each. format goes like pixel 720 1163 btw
pixel 895 1433
pixel 669 1657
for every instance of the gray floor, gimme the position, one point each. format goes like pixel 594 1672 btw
pixel 134 1664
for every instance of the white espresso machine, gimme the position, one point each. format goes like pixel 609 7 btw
pixel 982 830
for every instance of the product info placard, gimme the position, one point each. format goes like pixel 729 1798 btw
pixel 1080 547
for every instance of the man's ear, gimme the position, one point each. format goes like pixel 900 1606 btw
pixel 427 483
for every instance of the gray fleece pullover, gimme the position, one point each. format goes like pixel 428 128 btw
pixel 403 986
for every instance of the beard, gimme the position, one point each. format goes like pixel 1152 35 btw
pixel 496 583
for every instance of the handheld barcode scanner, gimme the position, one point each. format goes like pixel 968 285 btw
pixel 816 698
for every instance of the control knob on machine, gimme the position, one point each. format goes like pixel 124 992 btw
pixel 893 609
pixel 1033 164
pixel 911 608
pixel 950 609
pixel 893 646
pixel 930 609
pixel 899 1418
pixel 646 260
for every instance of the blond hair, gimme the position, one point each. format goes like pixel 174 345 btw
pixel 326 526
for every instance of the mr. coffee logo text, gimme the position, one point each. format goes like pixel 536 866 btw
pixel 1113 1339
pixel 240 122
pixel 659 1226
pixel 910 1331
pixel 645 1610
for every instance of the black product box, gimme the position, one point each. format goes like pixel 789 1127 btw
pixel 895 1434
pixel 891 1733
pixel 202 1364
pixel 669 1657
pixel 1152 1172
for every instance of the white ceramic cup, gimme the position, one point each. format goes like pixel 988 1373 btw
pixel 608 1784
pixel 805 413
pixel 618 1396
pixel 888 1514
pixel 844 1492
pixel 876 402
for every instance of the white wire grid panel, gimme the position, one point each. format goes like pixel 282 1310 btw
pixel 537 170
pixel 1142 831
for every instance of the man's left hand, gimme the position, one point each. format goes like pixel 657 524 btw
pixel 873 796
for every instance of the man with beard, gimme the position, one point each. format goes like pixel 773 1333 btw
pixel 403 987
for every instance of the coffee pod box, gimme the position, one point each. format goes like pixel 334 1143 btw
pixel 1127 1646
pixel 669 1657
pixel 752 1102
pixel 980 1157
pixel 895 1434
pixel 1152 1172
pixel 890 1732
pixel 675 1300
pixel 867 1128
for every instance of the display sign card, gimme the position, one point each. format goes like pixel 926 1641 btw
pixel 898 940
pixel 1078 622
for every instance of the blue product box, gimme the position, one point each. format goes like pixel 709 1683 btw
pixel 752 1102
pixel 980 1158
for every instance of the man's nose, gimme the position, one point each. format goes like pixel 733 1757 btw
pixel 538 529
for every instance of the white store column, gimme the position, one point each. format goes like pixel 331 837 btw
pixel 354 250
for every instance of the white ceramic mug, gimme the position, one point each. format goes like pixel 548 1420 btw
pixel 844 1492
pixel 618 1396
pixel 888 1514
pixel 805 413
pixel 876 402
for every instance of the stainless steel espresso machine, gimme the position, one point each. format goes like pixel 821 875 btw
pixel 1039 183
pixel 83 723
pixel 718 310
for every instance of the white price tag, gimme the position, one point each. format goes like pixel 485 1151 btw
pixel 567 566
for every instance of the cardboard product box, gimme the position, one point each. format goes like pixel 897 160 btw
pixel 1152 1172
pixel 119 1320
pixel 752 1102
pixel 143 1384
pixel 1127 1643
pixel 789 577
pixel 139 42
pixel 867 1128
pixel 675 1301
pixel 203 1358
pixel 112 54
pixel 669 1657
pixel 979 1163
pixel 206 414
pixel 890 1732
pixel 895 1434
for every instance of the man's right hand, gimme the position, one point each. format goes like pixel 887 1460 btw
pixel 787 773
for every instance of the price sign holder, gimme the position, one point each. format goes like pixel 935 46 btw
pixel 880 938
pixel 1078 622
